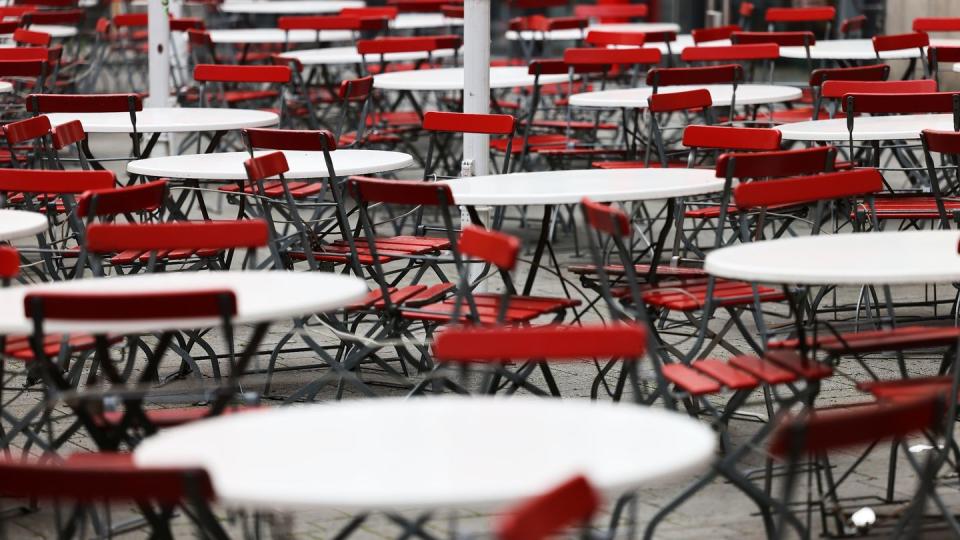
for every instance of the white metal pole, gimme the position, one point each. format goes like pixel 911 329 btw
pixel 159 53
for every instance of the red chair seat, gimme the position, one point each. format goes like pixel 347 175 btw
pixel 299 190
pixel 690 380
pixel 690 296
pixel 520 309
pixel 895 339
pixel 663 270
pixel 136 255
pixel 534 141
pixel 582 151
pixel 388 249
pixel 725 374
pixel 765 371
pixel 909 207
pixel 576 125
pixel 408 119
pixel 166 418
pixel 374 137
pixel 907 389
pixel 796 114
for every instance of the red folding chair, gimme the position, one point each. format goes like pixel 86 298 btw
pixel 818 15
pixel 572 503
pixel 94 103
pixel 936 55
pixel 507 357
pixel 900 42
pixel 86 480
pixel 852 27
pixel 750 55
pixel 232 86
pixel 612 13
pixel 717 33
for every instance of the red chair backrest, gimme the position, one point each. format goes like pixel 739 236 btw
pixel 450 122
pixel 266 166
pixel 604 38
pixel 494 247
pixel 26 130
pixel 550 342
pixel 732 138
pixel 78 306
pixel 23 68
pixel 808 189
pixel 16 11
pixel 852 24
pixel 840 88
pixel 400 191
pixel 723 74
pixel 914 103
pixel 125 20
pixel 717 33
pixel 783 39
pixel 758 51
pixel 356 89
pixel 452 12
pixel 570 504
pixel 49 54
pixel 182 24
pixel 110 202
pixel 822 431
pixel 776 164
pixel 539 23
pixel 101 479
pixel 389 12
pixel 388 45
pixel 9 262
pixel 679 101
pixel 944 142
pixel 69 133
pixel 878 72
pixel 606 218
pixel 900 41
pixel 246 74
pixel 605 57
pixel 109 238
pixel 9 27
pixel 943 54
pixel 936 24
pixel 51 181
pixel 326 22
pixel 83 103
pixel 37 39
pixel 547 67
pixel 290 139
pixel 806 14
pixel 417 6
pixel 611 11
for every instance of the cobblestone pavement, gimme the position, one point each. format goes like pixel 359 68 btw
pixel 719 511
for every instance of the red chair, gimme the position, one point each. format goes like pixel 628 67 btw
pixel 418 6
pixel 746 14
pixel 232 81
pixel 936 55
pixel 928 25
pixel 508 357
pixel 805 15
pixel 570 504
pixel 29 38
pixel 89 479
pixel 748 54
pixel 782 39
pixel 900 42
pixel 319 23
pixel 384 12
pixel 611 13
pixel 381 47
pixel 92 103
pixel 852 27
pixel 717 33
pixel 28 142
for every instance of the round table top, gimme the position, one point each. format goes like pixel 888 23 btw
pixel 573 34
pixel 228 166
pixel 276 35
pixel 570 187
pixel 453 79
pixel 867 128
pixel 459 452
pixel 16 224
pixel 636 98
pixel 349 55
pixel 56 31
pixel 261 297
pixel 413 21
pixel 289 7
pixel 169 120
pixel 882 258
pixel 856 49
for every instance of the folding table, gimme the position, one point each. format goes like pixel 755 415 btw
pixel 552 188
pixel 158 120
pixel 16 224
pixel 459 453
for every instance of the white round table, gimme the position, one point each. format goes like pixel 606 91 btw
pixel 414 21
pixel 16 224
pixel 856 49
pixel 349 55
pixel 867 128
pixel 261 297
pixel 722 94
pixel 244 36
pixel 476 452
pixel 169 120
pixel 452 79
pixel 56 31
pixel 289 7
pixel 883 258
pixel 228 166
pixel 574 34
pixel 571 186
